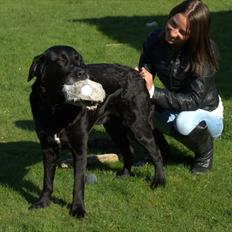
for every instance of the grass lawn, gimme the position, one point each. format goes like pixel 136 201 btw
pixel 103 31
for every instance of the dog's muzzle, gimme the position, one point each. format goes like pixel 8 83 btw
pixel 84 93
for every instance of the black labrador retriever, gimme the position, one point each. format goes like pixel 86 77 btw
pixel 126 109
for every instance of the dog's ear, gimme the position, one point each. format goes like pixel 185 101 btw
pixel 35 68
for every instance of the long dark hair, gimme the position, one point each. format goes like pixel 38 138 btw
pixel 202 50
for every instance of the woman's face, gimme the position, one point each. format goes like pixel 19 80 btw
pixel 176 32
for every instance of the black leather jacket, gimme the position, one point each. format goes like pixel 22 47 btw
pixel 183 90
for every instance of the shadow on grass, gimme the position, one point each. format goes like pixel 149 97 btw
pixel 25 124
pixel 100 143
pixel 133 31
pixel 17 158
pixel 178 156
pixel 175 157
pixel 122 29
pixel 15 161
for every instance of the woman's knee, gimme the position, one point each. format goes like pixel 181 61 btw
pixel 185 122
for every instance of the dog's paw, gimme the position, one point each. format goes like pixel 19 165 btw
pixel 43 203
pixel 157 182
pixel 77 211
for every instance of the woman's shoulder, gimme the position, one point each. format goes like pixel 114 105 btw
pixel 153 38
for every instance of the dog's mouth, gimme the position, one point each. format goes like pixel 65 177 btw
pixel 85 93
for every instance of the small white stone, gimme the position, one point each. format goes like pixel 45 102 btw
pixel 86 90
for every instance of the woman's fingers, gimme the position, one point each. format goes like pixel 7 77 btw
pixel 147 76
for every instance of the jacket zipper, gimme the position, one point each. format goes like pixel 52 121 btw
pixel 174 63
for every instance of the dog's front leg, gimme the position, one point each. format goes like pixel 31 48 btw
pixel 78 138
pixel 50 154
pixel 78 208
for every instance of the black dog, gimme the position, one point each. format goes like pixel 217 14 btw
pixel 125 109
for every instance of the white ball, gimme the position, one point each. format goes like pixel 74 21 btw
pixel 86 90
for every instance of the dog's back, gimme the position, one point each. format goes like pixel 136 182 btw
pixel 114 76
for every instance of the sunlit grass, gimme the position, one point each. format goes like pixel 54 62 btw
pixel 103 31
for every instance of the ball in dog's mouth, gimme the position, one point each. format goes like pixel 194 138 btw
pixel 84 93
pixel 86 90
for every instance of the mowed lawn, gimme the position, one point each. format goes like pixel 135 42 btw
pixel 103 31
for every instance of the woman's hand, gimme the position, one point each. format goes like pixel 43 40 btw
pixel 147 76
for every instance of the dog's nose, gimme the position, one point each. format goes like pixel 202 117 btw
pixel 80 73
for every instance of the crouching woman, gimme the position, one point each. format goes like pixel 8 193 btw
pixel 185 60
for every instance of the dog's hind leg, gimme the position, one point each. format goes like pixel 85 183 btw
pixel 146 139
pixel 143 134
pixel 50 154
pixel 118 132
pixel 138 119
pixel 138 116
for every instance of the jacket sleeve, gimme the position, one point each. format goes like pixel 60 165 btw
pixel 192 99
pixel 145 62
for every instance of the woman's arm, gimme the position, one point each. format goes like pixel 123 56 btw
pixel 191 100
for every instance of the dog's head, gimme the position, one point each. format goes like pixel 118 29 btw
pixel 57 69
pixel 56 66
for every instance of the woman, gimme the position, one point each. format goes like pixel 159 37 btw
pixel 185 60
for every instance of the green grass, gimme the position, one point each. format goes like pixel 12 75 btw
pixel 103 31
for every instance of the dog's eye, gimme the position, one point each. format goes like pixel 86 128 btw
pixel 61 62
pixel 77 58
